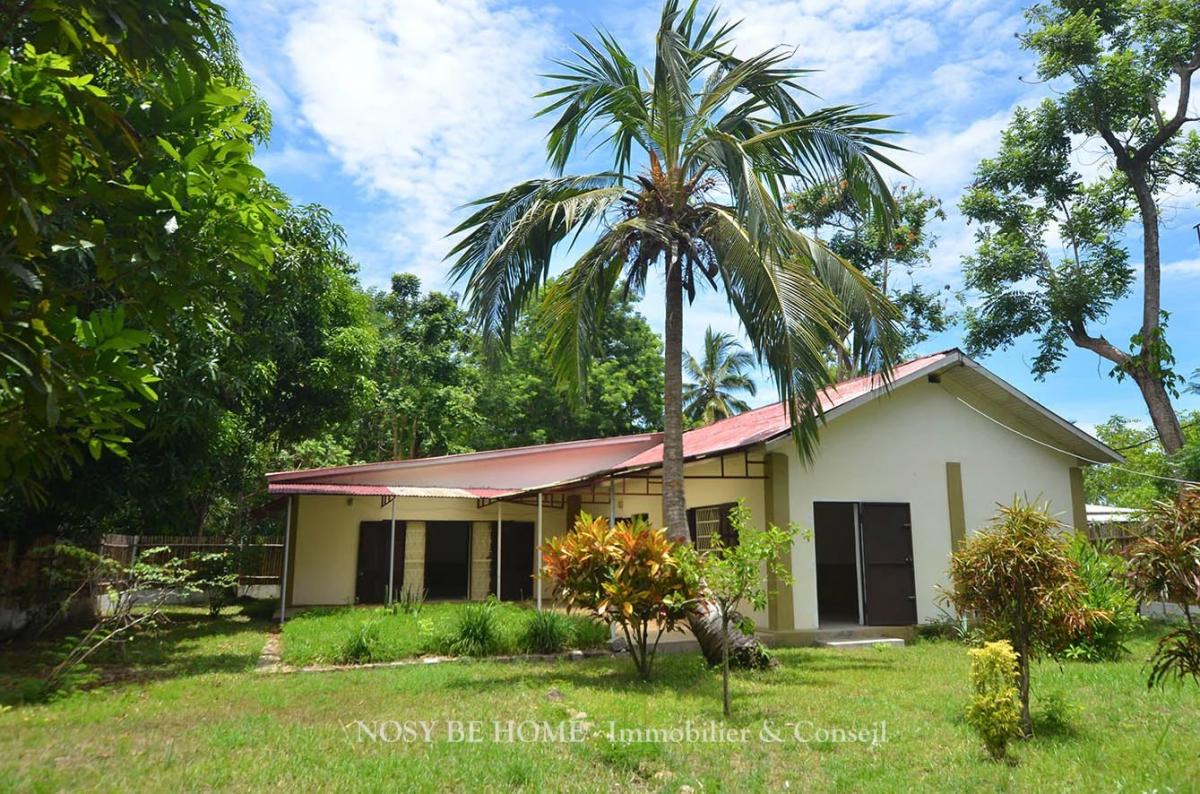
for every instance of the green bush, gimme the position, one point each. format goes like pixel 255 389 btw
pixel 361 645
pixel 995 711
pixel 477 632
pixel 546 632
pixel 1110 604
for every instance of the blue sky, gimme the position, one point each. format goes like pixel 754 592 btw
pixel 394 113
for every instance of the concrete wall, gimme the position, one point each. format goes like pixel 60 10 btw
pixel 895 449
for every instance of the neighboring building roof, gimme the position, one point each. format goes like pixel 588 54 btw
pixel 1106 514
pixel 505 472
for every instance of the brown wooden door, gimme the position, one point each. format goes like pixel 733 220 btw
pixel 374 537
pixel 887 557
pixel 516 561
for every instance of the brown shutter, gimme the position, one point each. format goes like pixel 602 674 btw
pixel 691 519
pixel 728 536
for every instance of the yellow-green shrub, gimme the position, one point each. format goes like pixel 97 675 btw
pixel 995 710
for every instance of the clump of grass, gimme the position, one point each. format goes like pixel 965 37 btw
pixel 477 632
pixel 546 632
pixel 588 633
pixel 409 601
pixel 361 645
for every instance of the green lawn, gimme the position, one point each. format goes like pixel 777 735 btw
pixel 196 716
pixel 318 636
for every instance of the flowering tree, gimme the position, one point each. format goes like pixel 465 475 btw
pixel 629 575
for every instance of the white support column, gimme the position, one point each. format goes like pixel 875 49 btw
pixel 612 501
pixel 499 543
pixel 392 557
pixel 287 534
pixel 537 582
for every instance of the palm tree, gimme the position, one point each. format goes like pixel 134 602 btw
pixel 703 148
pixel 711 394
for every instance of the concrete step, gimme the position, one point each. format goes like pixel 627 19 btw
pixel 852 645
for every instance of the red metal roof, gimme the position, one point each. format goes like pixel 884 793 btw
pixel 353 489
pixel 770 421
pixel 545 466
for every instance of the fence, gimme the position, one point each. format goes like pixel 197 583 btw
pixel 261 557
pixel 1116 536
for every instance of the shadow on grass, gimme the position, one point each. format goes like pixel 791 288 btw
pixel 685 676
pixel 192 643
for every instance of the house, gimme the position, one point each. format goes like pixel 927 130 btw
pixel 903 472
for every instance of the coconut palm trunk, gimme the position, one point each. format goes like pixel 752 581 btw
pixel 704 617
pixel 674 503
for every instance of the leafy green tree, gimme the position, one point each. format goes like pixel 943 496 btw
pixel 716 379
pixel 126 194
pixel 890 255
pixel 718 139
pixel 524 403
pixel 1126 487
pixel 1049 259
pixel 425 377
pixel 266 378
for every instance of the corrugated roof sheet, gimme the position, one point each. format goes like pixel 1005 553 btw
pixel 353 489
pixel 770 421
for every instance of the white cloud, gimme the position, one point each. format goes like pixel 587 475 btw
pixel 852 42
pixel 1184 268
pixel 426 105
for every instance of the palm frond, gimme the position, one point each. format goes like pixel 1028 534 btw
pixel 504 256
pixel 575 304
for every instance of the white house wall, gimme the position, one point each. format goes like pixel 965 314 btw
pixel 895 449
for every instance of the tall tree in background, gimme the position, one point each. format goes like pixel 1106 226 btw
pixel 718 140
pixel 126 194
pixel 1049 258
pixel 1126 487
pixel 890 255
pixel 717 378
pixel 424 374
pixel 523 402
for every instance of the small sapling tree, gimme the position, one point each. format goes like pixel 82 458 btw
pixel 1164 565
pixel 735 574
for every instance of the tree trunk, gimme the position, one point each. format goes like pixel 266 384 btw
pixel 1158 401
pixel 725 668
pixel 1162 413
pixel 674 506
pixel 704 617
pixel 1023 692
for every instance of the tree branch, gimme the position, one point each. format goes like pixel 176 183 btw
pixel 1164 134
pixel 1097 344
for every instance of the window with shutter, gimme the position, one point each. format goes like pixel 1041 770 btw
pixel 709 521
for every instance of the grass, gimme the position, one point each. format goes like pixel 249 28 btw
pixel 192 643
pixel 231 728
pixel 327 636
